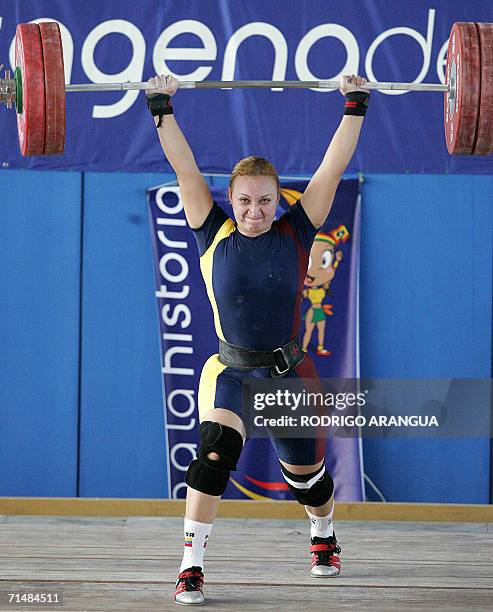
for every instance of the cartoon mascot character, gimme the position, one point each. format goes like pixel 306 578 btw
pixel 322 266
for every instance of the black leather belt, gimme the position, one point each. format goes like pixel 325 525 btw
pixel 280 359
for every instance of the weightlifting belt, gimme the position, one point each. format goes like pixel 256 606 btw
pixel 280 359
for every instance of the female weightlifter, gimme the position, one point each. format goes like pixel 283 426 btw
pixel 254 268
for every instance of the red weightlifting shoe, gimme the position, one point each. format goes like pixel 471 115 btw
pixel 189 585
pixel 325 557
pixel 323 352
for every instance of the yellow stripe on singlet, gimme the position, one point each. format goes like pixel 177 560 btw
pixel 206 262
pixel 207 385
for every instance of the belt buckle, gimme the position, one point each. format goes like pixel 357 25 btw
pixel 276 367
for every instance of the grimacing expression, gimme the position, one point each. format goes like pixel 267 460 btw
pixel 254 200
pixel 320 270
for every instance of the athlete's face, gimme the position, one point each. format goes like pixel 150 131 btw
pixel 254 200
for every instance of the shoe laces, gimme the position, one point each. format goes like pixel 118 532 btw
pixel 324 557
pixel 192 577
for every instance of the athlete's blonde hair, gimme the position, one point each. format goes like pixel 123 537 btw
pixel 254 166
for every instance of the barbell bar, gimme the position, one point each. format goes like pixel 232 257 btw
pixel 256 85
pixel 38 89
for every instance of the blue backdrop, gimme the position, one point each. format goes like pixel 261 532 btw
pixel 286 39
pixel 81 408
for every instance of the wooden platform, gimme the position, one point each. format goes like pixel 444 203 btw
pixel 131 563
pixel 242 508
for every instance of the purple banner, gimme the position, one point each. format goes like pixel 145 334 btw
pixel 384 40
pixel 329 332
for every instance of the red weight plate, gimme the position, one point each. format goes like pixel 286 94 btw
pixel 51 41
pixel 29 58
pixel 484 137
pixel 461 106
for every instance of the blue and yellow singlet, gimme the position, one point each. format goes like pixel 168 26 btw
pixel 255 288
pixel 255 284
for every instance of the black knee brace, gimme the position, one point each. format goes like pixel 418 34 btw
pixel 313 489
pixel 209 475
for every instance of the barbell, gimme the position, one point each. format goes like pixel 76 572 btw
pixel 38 88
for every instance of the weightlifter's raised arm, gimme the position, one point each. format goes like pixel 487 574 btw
pixel 319 194
pixel 197 199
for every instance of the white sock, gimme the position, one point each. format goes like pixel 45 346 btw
pixel 196 535
pixel 321 526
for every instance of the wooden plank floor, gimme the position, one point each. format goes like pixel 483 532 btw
pixel 131 564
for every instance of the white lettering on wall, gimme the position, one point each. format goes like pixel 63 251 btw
pixel 133 72
pixel 163 53
pixel 323 31
pixel 424 43
pixel 257 28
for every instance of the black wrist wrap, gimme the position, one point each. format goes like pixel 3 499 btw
pixel 159 105
pixel 356 103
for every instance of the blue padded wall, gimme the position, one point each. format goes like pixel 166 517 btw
pixel 39 332
pixel 122 420
pixel 426 311
pixel 426 292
